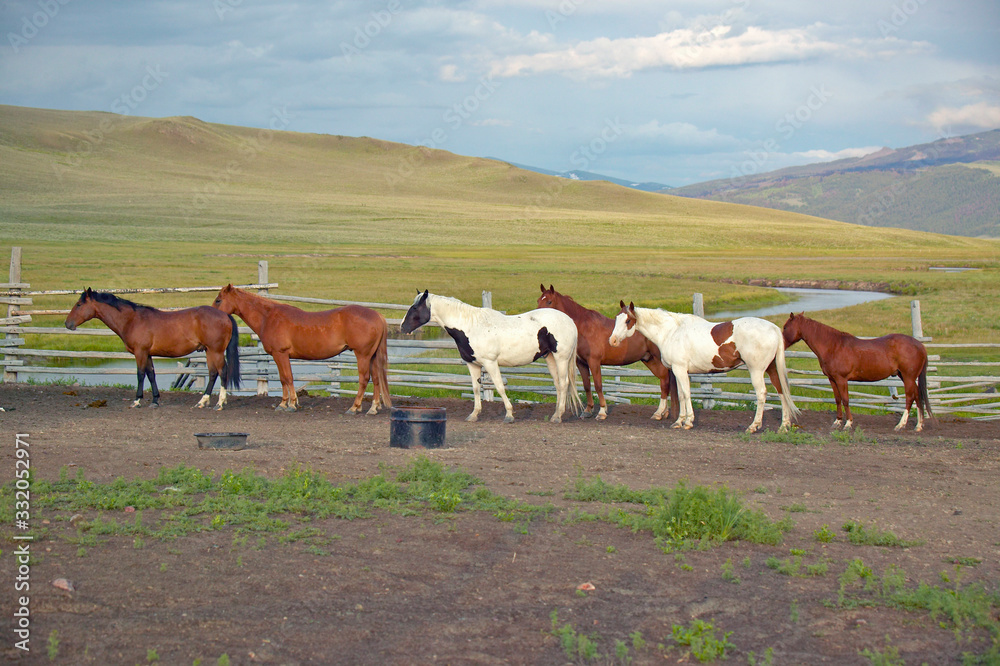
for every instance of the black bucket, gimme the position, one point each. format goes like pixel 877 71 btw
pixel 417 427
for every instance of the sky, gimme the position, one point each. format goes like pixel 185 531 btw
pixel 670 92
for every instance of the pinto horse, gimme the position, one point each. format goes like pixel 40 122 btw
pixel 689 344
pixel 593 351
pixel 149 332
pixel 287 332
pixel 488 339
pixel 843 357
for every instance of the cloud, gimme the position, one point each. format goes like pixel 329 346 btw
pixel 827 156
pixel 679 49
pixel 679 134
pixel 981 115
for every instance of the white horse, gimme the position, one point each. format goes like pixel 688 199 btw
pixel 690 344
pixel 487 339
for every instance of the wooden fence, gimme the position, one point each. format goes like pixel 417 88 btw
pixel 433 364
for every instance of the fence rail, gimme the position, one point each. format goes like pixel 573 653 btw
pixel 433 364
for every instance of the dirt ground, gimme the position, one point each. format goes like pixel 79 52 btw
pixel 471 589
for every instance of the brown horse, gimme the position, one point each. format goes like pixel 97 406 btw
pixel 593 351
pixel 149 332
pixel 287 332
pixel 843 357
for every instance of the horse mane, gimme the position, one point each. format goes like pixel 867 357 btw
pixel 107 298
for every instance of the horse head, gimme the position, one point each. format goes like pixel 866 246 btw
pixel 792 330
pixel 418 314
pixel 225 300
pixel 549 297
pixel 624 324
pixel 82 311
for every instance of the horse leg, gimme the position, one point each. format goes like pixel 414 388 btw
pixel 760 389
pixel 561 382
pixel 686 417
pixel 364 374
pixel 663 374
pixel 151 374
pixel 477 381
pixel 786 412
pixel 214 362
pixel 140 378
pixel 289 401
pixel 493 369
pixel 599 387
pixel 584 369
pixel 839 400
pixel 910 387
pixel 845 398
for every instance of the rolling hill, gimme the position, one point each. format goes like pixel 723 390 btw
pixel 68 175
pixel 950 186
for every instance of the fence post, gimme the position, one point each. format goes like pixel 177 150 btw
pixel 262 359
pixel 698 309
pixel 14 289
pixel 484 378
pixel 918 327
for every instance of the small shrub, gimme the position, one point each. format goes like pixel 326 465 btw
pixel 699 636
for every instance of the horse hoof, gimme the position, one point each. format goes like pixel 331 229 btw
pixel 218 408
pixel 372 412
pixel 601 417
pixel 554 419
pixel 510 419
pixel 136 405
pixel 154 405
pixel 472 418
pixel 586 414
pixel 657 417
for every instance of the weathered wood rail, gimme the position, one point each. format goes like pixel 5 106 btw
pixel 434 364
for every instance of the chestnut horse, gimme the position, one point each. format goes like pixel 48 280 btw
pixel 689 344
pixel 843 357
pixel 287 332
pixel 593 351
pixel 149 332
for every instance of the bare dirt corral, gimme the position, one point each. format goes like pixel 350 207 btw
pixel 469 588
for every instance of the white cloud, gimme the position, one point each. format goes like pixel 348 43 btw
pixel 982 115
pixel 678 133
pixel 450 74
pixel 678 49
pixel 827 156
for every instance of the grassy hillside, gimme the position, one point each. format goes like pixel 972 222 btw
pixel 103 200
pixel 950 186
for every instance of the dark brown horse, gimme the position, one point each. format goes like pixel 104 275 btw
pixel 593 351
pixel 843 357
pixel 287 332
pixel 149 332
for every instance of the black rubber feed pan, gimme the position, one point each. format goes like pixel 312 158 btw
pixel 417 427
pixel 232 441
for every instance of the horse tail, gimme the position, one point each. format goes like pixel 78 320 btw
pixel 923 399
pixel 231 378
pixel 380 364
pixel 779 362
pixel 575 404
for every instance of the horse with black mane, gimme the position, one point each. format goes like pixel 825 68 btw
pixel 844 357
pixel 488 339
pixel 148 332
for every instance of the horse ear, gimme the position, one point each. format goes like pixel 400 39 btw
pixel 621 304
pixel 631 306
pixel 551 288
pixel 542 287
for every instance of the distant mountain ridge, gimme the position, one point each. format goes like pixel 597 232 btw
pixel 949 186
pixel 577 174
